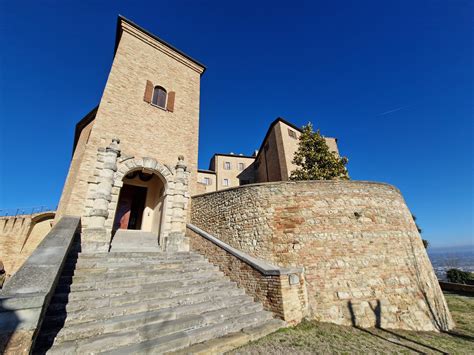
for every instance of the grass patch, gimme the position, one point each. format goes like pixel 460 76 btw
pixel 322 338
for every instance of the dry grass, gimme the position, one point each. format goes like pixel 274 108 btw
pixel 325 338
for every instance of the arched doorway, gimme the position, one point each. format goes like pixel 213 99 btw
pixel 141 202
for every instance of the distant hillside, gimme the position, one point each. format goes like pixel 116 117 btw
pixel 445 258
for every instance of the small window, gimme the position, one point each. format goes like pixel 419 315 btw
pixel 225 182
pixel 227 165
pixel 159 97
pixel 292 133
pixel 206 181
pixel 241 166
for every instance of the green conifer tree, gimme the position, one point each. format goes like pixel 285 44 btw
pixel 314 159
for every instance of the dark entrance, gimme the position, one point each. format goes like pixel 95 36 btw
pixel 130 207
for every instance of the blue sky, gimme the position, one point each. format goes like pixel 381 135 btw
pixel 392 80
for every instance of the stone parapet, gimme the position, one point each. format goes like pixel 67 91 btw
pixel 26 295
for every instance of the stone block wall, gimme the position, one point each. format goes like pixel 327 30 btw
pixel 19 237
pixel 282 294
pixel 364 260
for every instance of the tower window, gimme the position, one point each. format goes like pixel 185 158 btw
pixel 241 166
pixel 225 182
pixel 227 165
pixel 292 133
pixel 159 97
pixel 206 181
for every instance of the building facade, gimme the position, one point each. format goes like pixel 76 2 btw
pixel 273 161
pixel 135 156
pixel 134 163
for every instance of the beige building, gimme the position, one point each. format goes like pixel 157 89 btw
pixel 272 162
pixel 134 164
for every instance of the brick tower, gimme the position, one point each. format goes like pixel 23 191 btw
pixel 134 164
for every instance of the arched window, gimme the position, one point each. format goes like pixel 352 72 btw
pixel 159 96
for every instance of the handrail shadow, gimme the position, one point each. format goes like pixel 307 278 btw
pixel 377 310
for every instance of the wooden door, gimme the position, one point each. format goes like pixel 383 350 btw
pixel 130 207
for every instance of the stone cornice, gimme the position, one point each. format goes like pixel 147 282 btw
pixel 132 30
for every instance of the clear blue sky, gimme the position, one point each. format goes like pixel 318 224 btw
pixel 392 80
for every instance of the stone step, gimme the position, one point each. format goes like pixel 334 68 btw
pixel 88 302
pixel 128 322
pixel 100 274
pixel 231 325
pixel 64 285
pixel 193 302
pixel 87 295
pixel 86 262
pixel 120 268
pixel 179 340
pixel 132 255
pixel 233 340
pixel 133 236
pixel 197 328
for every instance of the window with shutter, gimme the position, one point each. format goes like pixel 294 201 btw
pixel 148 91
pixel 159 97
pixel 170 104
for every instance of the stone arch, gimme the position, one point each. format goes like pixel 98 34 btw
pixel 36 219
pixel 104 189
pixel 130 164
pixel 166 175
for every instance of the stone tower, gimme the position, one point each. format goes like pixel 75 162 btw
pixel 134 164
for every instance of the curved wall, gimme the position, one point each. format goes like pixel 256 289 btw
pixel 19 237
pixel 364 260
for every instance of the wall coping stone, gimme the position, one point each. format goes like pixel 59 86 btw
pixel 26 295
pixel 316 182
pixel 456 287
pixel 32 215
pixel 260 265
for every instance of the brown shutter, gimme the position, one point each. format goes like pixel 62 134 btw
pixel 170 105
pixel 148 91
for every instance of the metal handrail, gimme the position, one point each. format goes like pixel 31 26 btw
pixel 19 211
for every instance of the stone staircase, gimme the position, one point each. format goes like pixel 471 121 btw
pixel 126 240
pixel 136 302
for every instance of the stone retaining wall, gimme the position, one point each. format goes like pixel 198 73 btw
pixel 364 260
pixel 455 287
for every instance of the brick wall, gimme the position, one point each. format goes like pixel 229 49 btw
pixel 276 293
pixel 364 260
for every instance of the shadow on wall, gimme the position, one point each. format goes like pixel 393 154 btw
pixel 394 337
